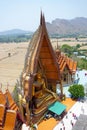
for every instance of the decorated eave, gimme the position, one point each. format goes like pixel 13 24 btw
pixel 65 61
pixel 72 65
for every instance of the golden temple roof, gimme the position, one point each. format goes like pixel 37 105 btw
pixel 40 51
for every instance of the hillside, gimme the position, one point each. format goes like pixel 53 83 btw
pixel 15 32
pixel 64 26
pixel 15 35
pixel 58 27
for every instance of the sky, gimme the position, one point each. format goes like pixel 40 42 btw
pixel 25 14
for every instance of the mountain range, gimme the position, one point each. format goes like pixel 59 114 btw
pixel 77 26
pixel 63 26
pixel 15 32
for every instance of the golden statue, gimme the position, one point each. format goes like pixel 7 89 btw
pixel 42 96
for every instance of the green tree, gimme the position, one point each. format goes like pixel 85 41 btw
pixel 78 46
pixel 67 49
pixel 77 91
pixel 82 63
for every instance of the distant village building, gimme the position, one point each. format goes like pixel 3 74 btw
pixel 84 57
pixel 75 53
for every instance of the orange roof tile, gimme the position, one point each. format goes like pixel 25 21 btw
pixel 64 61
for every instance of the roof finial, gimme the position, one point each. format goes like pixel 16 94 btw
pixel 41 18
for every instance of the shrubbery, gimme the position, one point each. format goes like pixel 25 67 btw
pixel 77 91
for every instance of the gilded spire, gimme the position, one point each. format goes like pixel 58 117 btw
pixel 41 18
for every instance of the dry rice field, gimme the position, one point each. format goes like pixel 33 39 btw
pixel 69 41
pixel 11 67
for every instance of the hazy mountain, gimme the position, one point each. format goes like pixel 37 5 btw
pixel 58 26
pixel 64 26
pixel 15 32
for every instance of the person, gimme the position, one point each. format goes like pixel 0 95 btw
pixel 25 127
pixel 35 127
pixel 66 116
pixel 82 109
pixel 28 125
pixel 64 128
pixel 71 123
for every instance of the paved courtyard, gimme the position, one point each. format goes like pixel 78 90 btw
pixel 81 124
pixel 72 116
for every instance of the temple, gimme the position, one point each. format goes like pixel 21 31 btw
pixel 41 72
pixel 44 70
